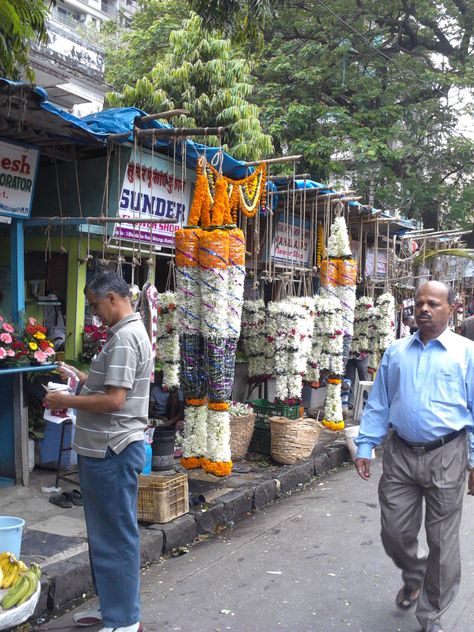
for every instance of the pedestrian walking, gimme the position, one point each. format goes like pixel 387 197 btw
pixel 112 414
pixel 423 399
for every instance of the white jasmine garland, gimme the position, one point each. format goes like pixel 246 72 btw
pixel 289 338
pixel 188 300
pixel 167 342
pixel 235 293
pixel 214 283
pixel 362 318
pixel 218 436
pixel 253 334
pixel 195 431
pixel 239 409
pixel 338 243
pixel 333 405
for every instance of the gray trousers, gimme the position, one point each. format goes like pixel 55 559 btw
pixel 439 478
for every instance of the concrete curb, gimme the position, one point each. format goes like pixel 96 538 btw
pixel 66 583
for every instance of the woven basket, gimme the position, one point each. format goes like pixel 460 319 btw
pixel 241 430
pixel 293 439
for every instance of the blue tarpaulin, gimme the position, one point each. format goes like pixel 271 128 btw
pixel 96 128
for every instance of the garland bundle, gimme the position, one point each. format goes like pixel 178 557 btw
pixel 254 340
pixel 289 331
pixel 167 343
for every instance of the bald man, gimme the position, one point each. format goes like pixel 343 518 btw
pixel 422 399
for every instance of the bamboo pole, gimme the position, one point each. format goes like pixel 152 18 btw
pixel 161 115
pixel 272 161
pixel 175 132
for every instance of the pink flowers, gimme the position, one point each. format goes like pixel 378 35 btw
pixel 7 327
pixel 6 338
pixel 40 356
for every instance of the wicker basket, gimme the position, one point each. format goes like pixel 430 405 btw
pixel 241 431
pixel 293 439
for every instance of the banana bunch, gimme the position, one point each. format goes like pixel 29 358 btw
pixel 10 569
pixel 22 590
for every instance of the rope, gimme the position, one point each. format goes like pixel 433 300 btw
pixel 76 171
pixel 62 249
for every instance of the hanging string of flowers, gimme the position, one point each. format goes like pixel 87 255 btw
pixel 254 340
pixel 167 342
pixel 289 330
pixel 362 320
pixel 188 302
pixel 382 329
pixel 246 195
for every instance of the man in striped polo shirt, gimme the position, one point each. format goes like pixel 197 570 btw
pixel 112 413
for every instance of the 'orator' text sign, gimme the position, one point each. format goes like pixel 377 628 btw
pixel 18 166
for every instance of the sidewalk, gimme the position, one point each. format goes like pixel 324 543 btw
pixel 56 538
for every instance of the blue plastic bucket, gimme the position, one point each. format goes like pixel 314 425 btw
pixel 11 530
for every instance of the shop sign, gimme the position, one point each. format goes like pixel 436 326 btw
pixel 382 264
pixel 291 241
pixel 18 166
pixel 154 189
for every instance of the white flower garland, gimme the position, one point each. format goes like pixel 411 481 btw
pixel 254 340
pixel 381 328
pixel 328 339
pixel 188 299
pixel 289 337
pixel 235 300
pixel 338 242
pixel 362 320
pixel 167 343
pixel 214 284
pixel 218 436
pixel 195 431
pixel 333 406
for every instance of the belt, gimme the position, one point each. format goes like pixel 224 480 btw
pixel 422 448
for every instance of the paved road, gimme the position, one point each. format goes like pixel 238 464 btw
pixel 311 562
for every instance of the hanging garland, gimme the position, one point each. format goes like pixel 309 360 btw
pixel 167 344
pixel 254 341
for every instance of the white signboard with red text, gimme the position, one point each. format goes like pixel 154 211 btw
pixel 291 243
pixel 18 166
pixel 154 189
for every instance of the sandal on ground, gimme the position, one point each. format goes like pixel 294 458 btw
pixel 61 500
pixel 89 617
pixel 76 497
pixel 404 599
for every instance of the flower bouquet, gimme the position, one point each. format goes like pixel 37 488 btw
pixel 93 339
pixel 39 350
pixel 7 341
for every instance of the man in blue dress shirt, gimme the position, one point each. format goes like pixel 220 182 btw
pixel 423 398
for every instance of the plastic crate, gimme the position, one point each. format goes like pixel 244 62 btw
pixel 162 498
pixel 263 409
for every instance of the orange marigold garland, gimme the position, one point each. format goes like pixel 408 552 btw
pixel 199 213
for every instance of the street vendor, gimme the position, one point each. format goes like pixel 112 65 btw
pixel 112 414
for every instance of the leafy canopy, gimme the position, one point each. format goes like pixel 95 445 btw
pixel 373 89
pixel 202 73
pixel 21 23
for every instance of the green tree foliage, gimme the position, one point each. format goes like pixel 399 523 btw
pixel 202 73
pixel 132 52
pixel 21 23
pixel 374 87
